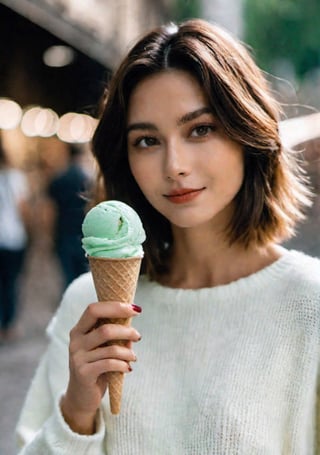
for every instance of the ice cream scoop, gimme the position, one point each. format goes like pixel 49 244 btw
pixel 113 229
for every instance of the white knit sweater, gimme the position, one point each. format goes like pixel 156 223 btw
pixel 226 370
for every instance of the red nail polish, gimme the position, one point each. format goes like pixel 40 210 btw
pixel 130 368
pixel 136 308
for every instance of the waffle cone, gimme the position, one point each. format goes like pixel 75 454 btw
pixel 115 279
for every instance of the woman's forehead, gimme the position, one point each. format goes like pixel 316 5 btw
pixel 175 91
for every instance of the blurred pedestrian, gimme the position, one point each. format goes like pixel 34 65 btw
pixel 14 216
pixel 66 192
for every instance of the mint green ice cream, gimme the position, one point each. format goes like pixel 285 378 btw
pixel 112 229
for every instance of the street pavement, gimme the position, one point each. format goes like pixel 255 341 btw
pixel 40 295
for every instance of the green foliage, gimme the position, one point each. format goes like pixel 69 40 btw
pixel 284 29
pixel 185 9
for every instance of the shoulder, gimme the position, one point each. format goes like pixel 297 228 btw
pixel 299 301
pixel 81 290
pixel 77 297
pixel 300 288
pixel 304 269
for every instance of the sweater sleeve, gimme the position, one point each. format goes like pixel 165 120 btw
pixel 41 428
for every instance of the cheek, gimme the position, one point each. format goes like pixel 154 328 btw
pixel 140 172
pixel 227 167
pixel 232 176
pixel 237 171
pixel 145 179
pixel 236 166
pixel 132 165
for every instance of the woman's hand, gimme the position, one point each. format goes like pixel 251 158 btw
pixel 90 359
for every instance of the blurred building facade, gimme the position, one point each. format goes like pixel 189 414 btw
pixel 97 32
pixel 228 13
pixel 100 29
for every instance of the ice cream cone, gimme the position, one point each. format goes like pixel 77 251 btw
pixel 115 279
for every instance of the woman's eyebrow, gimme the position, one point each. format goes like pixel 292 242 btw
pixel 141 126
pixel 194 114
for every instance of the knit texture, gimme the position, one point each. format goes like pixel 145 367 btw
pixel 226 370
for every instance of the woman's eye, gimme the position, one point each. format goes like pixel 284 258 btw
pixel 202 130
pixel 146 141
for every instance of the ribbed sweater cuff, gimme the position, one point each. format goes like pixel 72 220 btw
pixel 60 436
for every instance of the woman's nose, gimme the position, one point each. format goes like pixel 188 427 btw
pixel 177 163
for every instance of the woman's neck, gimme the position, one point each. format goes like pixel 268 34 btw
pixel 201 259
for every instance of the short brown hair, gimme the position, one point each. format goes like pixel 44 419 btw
pixel 273 192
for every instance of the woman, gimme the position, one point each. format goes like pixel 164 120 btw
pixel 229 357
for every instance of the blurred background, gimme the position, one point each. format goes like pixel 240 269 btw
pixel 55 56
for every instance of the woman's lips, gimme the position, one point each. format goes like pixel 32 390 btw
pixel 183 195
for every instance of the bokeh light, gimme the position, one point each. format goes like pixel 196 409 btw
pixel 76 128
pixel 58 56
pixel 10 114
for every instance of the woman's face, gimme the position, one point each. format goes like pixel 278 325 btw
pixel 181 158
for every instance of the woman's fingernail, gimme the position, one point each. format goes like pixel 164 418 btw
pixel 136 308
pixel 129 368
